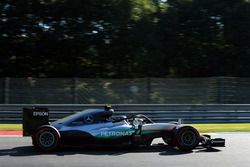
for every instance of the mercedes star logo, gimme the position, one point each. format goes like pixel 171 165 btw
pixel 88 119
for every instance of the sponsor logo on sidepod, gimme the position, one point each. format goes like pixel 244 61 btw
pixel 116 133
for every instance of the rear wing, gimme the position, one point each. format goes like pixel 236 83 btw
pixel 33 118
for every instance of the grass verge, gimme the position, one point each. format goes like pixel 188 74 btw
pixel 228 127
pixel 11 126
pixel 203 128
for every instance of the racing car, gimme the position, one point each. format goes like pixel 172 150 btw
pixel 101 127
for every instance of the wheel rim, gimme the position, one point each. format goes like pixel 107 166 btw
pixel 188 138
pixel 47 139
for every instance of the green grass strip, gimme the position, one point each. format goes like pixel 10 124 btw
pixel 228 127
pixel 11 126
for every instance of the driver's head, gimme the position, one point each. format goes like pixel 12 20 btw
pixel 108 107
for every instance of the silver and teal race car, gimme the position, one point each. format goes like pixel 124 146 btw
pixel 100 127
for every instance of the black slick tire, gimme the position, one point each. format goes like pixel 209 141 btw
pixel 46 138
pixel 187 138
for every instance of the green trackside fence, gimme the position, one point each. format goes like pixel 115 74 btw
pixel 211 90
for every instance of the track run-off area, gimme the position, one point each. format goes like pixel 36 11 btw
pixel 18 151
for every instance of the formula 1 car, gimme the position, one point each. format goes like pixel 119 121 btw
pixel 100 127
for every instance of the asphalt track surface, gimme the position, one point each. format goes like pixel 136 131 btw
pixel 18 152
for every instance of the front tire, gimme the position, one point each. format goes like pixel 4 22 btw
pixel 187 138
pixel 47 138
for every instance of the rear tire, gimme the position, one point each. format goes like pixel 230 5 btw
pixel 187 138
pixel 46 138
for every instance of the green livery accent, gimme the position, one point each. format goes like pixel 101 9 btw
pixel 147 132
